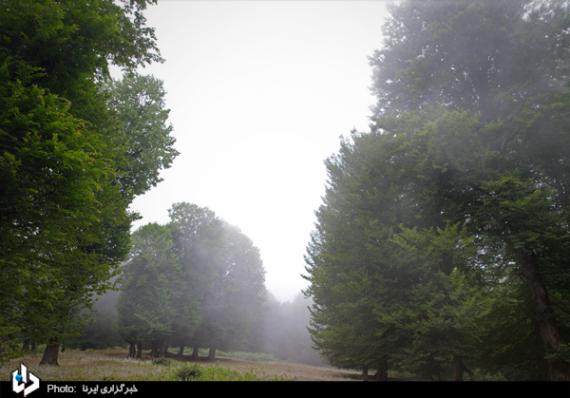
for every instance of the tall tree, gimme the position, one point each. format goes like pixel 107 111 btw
pixel 468 132
pixel 233 305
pixel 224 280
pixel 514 76
pixel 146 304
pixel 196 233
pixel 198 282
pixel 65 185
pixel 146 144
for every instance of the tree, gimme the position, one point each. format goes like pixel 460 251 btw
pixel 196 234
pixel 65 185
pixel 438 305
pixel 459 139
pixel 197 281
pixel 380 256
pixel 224 280
pixel 342 269
pixel 147 147
pixel 54 224
pixel 146 304
pixel 234 302
pixel 515 78
pixel 488 58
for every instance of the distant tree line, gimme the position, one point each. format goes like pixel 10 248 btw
pixel 442 245
pixel 195 282
pixel 278 328
pixel 76 147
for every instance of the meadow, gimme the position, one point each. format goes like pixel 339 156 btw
pixel 113 365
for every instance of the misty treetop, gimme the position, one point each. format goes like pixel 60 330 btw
pixel 197 281
pixel 442 243
pixel 73 155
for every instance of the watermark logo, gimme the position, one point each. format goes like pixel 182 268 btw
pixel 20 378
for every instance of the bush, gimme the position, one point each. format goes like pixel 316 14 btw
pixel 161 361
pixel 188 373
pixel 202 373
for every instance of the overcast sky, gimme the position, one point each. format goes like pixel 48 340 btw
pixel 260 92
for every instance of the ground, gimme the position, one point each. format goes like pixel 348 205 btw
pixel 113 365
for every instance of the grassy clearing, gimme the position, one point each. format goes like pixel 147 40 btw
pixel 196 372
pixel 112 365
pixel 90 365
pixel 247 356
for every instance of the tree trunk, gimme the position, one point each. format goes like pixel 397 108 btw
pixel 365 373
pixel 181 350
pixel 33 347
pixel 132 350
pixel 425 371
pixel 26 345
pixel 51 353
pixel 546 321
pixel 139 350
pixel 381 375
pixel 382 371
pixel 212 354
pixel 195 352
pixel 458 368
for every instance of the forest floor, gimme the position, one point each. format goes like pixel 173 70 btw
pixel 113 365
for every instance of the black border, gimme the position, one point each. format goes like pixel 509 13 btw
pixel 392 388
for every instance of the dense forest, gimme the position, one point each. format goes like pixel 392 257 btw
pixel 442 244
pixel 440 251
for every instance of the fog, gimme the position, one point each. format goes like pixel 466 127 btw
pixel 235 190
pixel 259 94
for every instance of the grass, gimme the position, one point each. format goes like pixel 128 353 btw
pixel 200 373
pixel 112 365
pixel 248 356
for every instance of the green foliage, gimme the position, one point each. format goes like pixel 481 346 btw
pixel 460 190
pixel 65 183
pixel 197 281
pixel 161 362
pixel 224 277
pixel 146 303
pixel 138 102
pixel 202 373
pixel 188 373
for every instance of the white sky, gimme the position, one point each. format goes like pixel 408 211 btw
pixel 259 93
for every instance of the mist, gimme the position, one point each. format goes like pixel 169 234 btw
pixel 259 93
pixel 282 191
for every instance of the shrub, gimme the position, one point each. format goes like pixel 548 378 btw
pixel 161 361
pixel 188 373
